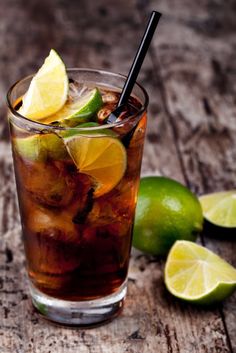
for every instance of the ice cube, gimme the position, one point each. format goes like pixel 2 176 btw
pixel 49 183
pixel 53 224
pixel 124 198
pixel 101 214
pixel 103 113
pixel 47 255
pixel 52 240
pixel 110 97
pixel 117 207
pixel 139 132
pixel 76 90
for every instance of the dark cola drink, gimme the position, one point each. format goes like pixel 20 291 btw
pixel 77 245
pixel 77 177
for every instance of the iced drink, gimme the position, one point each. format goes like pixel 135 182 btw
pixel 77 179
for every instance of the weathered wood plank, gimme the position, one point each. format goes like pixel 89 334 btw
pixel 92 34
pixel 197 64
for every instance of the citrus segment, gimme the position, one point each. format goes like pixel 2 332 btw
pixel 220 208
pixel 102 157
pixel 78 111
pixel 196 274
pixel 48 89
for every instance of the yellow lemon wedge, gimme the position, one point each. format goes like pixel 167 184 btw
pixel 48 89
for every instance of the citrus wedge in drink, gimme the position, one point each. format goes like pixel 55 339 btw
pixel 40 147
pixel 48 89
pixel 194 273
pixel 78 111
pixel 100 156
pixel 220 208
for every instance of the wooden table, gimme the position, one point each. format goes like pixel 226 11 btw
pixel 190 76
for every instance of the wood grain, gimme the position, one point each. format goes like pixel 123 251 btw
pixel 201 67
pixel 190 76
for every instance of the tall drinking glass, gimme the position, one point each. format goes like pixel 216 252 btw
pixel 77 241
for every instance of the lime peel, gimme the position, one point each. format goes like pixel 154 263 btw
pixel 78 111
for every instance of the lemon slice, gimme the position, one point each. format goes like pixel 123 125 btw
pixel 79 111
pixel 220 208
pixel 196 274
pixel 101 157
pixel 48 89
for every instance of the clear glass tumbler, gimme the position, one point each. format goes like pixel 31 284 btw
pixel 77 243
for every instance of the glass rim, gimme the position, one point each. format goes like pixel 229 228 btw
pixel 37 124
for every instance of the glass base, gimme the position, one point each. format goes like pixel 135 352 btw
pixel 83 313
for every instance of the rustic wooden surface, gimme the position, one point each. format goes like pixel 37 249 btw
pixel 190 76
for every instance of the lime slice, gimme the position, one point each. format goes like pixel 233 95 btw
pixel 100 156
pixel 196 274
pixel 85 129
pixel 79 111
pixel 41 147
pixel 220 208
pixel 48 89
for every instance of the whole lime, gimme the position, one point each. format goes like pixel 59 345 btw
pixel 166 211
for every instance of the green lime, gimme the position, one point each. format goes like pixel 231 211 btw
pixel 166 211
pixel 42 308
pixel 194 273
pixel 67 133
pixel 220 208
pixel 78 111
pixel 89 125
pixel 40 147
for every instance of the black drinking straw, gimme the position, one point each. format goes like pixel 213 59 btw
pixel 136 65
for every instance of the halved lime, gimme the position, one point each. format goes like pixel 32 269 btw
pixel 48 89
pixel 41 147
pixel 79 111
pixel 100 156
pixel 220 208
pixel 194 273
